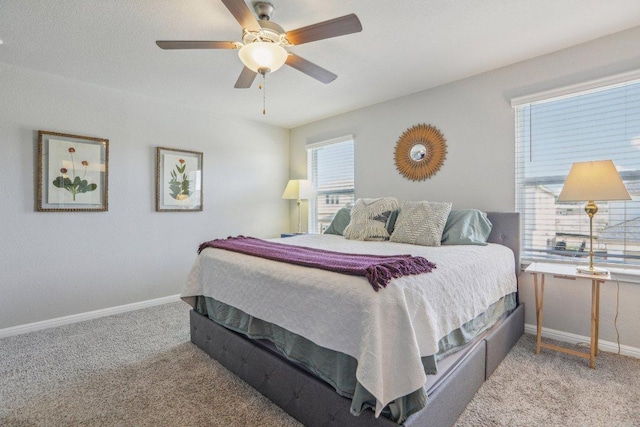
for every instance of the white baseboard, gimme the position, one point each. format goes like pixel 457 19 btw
pixel 66 320
pixel 567 337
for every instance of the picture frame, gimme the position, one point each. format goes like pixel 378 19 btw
pixel 73 173
pixel 178 180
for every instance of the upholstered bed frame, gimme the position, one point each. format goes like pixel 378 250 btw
pixel 314 403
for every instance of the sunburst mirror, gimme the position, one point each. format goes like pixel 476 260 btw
pixel 420 152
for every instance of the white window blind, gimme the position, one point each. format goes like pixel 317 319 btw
pixel 551 134
pixel 330 168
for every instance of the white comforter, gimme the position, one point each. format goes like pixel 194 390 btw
pixel 386 331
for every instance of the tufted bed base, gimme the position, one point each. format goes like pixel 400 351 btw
pixel 314 403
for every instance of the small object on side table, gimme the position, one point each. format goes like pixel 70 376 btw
pixel 568 272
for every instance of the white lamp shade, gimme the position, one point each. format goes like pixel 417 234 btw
pixel 591 181
pixel 297 189
pixel 259 56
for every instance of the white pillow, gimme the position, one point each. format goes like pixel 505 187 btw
pixel 421 223
pixel 369 219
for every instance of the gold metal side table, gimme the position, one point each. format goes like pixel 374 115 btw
pixel 561 271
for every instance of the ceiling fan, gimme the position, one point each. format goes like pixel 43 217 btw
pixel 263 47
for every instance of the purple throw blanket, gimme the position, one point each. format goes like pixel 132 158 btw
pixel 378 269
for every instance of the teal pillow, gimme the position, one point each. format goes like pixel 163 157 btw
pixel 340 221
pixel 391 222
pixel 466 227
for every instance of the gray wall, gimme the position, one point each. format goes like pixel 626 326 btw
pixel 477 120
pixel 59 264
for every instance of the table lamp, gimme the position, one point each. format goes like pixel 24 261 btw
pixel 589 181
pixel 297 189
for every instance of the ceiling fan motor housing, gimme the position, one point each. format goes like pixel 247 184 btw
pixel 270 32
pixel 263 10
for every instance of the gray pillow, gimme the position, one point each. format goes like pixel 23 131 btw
pixel 369 219
pixel 391 222
pixel 467 227
pixel 339 221
pixel 421 223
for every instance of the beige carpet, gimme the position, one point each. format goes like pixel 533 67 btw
pixel 557 389
pixel 139 369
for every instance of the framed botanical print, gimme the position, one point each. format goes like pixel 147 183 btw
pixel 73 173
pixel 178 180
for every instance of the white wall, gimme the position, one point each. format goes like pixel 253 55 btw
pixel 59 264
pixel 477 121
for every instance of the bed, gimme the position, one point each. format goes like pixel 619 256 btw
pixel 389 376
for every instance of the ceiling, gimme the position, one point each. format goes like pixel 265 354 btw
pixel 405 47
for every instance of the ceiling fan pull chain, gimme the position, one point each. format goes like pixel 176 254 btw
pixel 264 94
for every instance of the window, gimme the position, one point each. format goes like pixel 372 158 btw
pixel 600 123
pixel 330 170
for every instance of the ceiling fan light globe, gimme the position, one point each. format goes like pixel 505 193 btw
pixel 258 56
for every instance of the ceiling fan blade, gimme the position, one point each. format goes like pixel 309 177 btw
pixel 174 44
pixel 246 79
pixel 310 69
pixel 243 15
pixel 347 24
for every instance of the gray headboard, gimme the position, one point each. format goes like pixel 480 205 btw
pixel 506 231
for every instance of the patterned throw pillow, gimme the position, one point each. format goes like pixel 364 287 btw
pixel 369 219
pixel 421 223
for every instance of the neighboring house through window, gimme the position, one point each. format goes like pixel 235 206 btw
pixel 330 168
pixel 595 121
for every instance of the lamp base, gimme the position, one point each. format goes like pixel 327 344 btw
pixel 596 271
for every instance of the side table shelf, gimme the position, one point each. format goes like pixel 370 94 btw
pixel 568 272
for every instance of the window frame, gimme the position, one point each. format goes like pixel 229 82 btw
pixel 522 182
pixel 312 207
